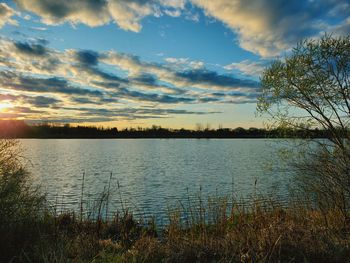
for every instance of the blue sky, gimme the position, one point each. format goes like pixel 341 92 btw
pixel 173 63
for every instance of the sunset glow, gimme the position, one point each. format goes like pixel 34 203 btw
pixel 142 63
pixel 5 106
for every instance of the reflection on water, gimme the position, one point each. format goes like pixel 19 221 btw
pixel 154 173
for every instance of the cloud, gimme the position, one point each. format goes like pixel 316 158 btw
pixel 18 112
pixel 41 101
pixel 31 48
pixel 20 82
pixel 32 101
pixel 87 57
pixel 90 12
pixel 267 27
pixel 341 29
pixel 84 67
pixel 184 63
pixel 249 68
pixel 61 84
pixel 142 113
pixel 35 28
pixel 146 78
pixel 125 93
pixel 208 77
pixel 127 14
pixel 178 76
pixel 84 114
pixel 94 101
pixel 29 56
pixel 264 27
pixel 67 119
pixel 6 13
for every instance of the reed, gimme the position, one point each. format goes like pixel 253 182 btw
pixel 218 229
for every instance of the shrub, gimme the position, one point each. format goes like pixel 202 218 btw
pixel 22 207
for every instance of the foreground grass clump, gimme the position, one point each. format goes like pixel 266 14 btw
pixel 256 233
pixel 259 235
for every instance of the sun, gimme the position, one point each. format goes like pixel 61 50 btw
pixel 5 105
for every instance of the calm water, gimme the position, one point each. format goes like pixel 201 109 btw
pixel 154 173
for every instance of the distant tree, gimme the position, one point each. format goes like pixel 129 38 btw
pixel 199 127
pixel 309 88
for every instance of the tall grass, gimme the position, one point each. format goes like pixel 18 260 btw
pixel 22 206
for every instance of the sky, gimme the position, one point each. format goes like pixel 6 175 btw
pixel 137 63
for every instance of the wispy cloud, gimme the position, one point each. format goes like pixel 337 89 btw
pixel 6 14
pixel 248 67
pixel 184 63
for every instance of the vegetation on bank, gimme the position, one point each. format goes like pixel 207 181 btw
pixel 19 129
pixel 310 88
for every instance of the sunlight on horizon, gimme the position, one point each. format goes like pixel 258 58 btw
pixel 179 63
pixel 5 106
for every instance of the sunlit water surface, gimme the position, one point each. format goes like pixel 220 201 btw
pixel 154 174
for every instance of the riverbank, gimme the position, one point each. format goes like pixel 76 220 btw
pixel 22 130
pixel 217 232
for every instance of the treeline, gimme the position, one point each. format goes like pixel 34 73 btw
pixel 20 129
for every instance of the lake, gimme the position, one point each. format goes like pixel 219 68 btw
pixel 149 175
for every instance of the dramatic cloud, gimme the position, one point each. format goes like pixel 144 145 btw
pixel 29 56
pixel 212 78
pixel 267 27
pixel 47 85
pixel 6 13
pixel 36 101
pixel 180 77
pixel 41 101
pixel 126 13
pixel 90 12
pixel 87 57
pixel 101 86
pixel 264 27
pixel 30 48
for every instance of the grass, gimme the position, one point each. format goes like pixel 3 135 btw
pixel 213 230
pixel 258 232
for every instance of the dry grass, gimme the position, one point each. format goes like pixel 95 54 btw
pixel 215 232
pixel 257 233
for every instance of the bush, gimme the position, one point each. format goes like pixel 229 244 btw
pixel 323 177
pixel 22 207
